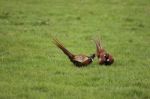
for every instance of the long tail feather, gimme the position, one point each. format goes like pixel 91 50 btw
pixel 99 43
pixel 97 46
pixel 59 45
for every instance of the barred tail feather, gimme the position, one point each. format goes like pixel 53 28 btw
pixel 97 46
pixel 59 45
pixel 99 43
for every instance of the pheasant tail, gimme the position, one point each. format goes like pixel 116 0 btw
pixel 61 46
pixel 98 45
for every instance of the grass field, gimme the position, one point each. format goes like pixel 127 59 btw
pixel 31 67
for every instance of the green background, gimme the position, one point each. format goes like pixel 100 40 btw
pixel 32 67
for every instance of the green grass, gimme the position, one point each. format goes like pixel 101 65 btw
pixel 31 67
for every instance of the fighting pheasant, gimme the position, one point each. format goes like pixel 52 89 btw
pixel 77 60
pixel 103 57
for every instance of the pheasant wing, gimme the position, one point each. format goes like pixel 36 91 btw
pixel 80 58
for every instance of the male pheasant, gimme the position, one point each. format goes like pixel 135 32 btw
pixel 103 57
pixel 77 60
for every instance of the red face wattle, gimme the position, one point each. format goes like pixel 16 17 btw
pixel 109 59
pixel 105 58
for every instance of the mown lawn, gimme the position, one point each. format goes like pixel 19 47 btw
pixel 31 67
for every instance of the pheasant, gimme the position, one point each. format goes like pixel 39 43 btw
pixel 103 57
pixel 77 60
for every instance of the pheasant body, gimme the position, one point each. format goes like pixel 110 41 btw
pixel 103 57
pixel 82 60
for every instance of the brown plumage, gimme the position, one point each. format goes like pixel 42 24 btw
pixel 77 60
pixel 103 57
